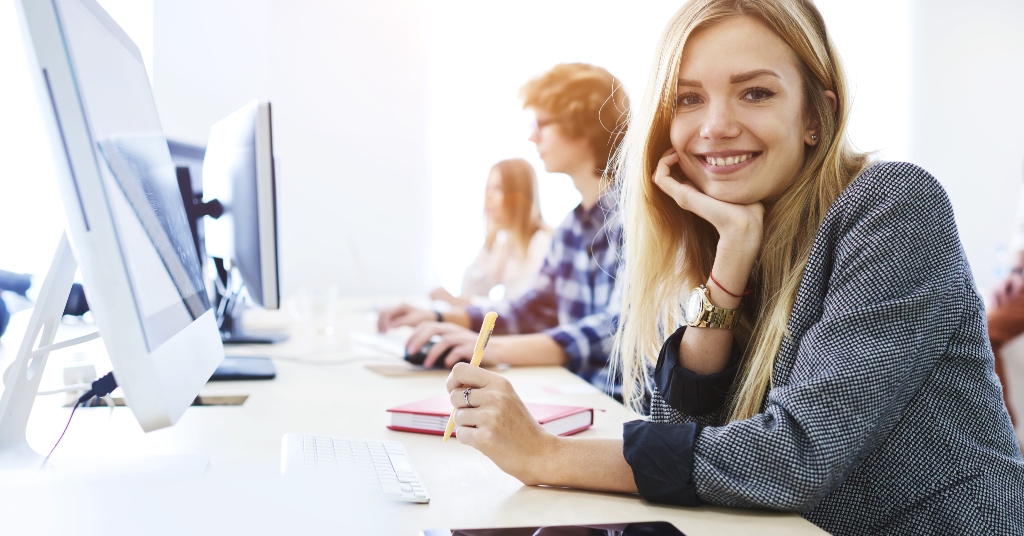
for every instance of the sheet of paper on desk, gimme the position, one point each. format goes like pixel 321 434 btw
pixel 403 369
pixel 570 389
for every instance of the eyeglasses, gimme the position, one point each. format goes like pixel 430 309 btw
pixel 541 123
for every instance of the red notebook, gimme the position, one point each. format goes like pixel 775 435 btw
pixel 430 416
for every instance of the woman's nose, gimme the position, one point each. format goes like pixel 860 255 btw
pixel 720 122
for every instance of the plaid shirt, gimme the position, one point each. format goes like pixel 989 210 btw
pixel 573 299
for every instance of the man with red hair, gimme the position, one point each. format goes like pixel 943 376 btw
pixel 569 317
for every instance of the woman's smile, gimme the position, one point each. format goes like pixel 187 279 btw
pixel 723 162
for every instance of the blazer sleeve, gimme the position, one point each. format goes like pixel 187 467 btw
pixel 897 268
pixel 892 264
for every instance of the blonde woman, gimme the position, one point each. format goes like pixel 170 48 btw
pixel 832 358
pixel 517 238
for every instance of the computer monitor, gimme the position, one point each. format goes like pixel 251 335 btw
pixel 238 172
pixel 125 221
pixel 188 167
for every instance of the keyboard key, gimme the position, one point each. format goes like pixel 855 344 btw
pixel 383 465
pixel 390 488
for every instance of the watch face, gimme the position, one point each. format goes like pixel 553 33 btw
pixel 694 306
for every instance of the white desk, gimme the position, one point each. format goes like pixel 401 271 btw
pixel 243 492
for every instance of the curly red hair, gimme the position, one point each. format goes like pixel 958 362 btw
pixel 586 100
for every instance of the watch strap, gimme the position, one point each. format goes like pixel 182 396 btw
pixel 718 318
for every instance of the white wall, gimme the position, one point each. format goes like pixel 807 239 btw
pixel 348 86
pixel 31 214
pixel 968 116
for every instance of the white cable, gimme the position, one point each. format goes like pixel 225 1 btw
pixel 66 389
pixel 64 344
pixel 52 348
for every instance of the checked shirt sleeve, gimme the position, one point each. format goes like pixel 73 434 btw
pixel 587 341
pixel 534 311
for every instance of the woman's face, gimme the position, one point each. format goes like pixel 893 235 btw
pixel 560 153
pixel 494 198
pixel 740 125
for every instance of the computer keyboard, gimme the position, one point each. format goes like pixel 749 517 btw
pixel 381 464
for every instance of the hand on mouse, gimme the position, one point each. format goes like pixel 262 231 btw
pixel 461 342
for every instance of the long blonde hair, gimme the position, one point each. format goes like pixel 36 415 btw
pixel 669 251
pixel 520 204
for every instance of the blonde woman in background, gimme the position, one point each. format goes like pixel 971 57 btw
pixel 517 238
pixel 822 343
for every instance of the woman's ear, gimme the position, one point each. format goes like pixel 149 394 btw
pixel 813 135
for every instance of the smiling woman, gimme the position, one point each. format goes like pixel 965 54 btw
pixel 822 341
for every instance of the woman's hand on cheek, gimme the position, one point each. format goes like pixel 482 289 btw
pixel 498 424
pixel 739 226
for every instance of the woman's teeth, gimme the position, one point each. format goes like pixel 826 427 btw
pixel 728 161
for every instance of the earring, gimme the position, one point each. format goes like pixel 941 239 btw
pixel 814 137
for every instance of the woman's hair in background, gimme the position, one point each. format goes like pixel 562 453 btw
pixel 520 203
pixel 587 101
pixel 670 251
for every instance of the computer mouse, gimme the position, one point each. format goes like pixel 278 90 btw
pixel 421 355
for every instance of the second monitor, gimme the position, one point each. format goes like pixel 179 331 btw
pixel 239 180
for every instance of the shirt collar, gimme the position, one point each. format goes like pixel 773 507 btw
pixel 596 214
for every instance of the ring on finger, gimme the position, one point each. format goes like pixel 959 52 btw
pixel 465 396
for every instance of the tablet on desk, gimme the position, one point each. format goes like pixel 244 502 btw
pixel 647 528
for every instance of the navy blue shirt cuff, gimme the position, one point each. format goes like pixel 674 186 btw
pixel 661 456
pixel 476 317
pixel 688 392
pixel 4 317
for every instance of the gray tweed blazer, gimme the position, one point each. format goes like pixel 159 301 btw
pixel 885 415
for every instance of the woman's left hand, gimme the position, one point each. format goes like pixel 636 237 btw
pixel 738 225
pixel 498 423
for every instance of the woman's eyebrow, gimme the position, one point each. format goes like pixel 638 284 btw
pixel 734 79
pixel 750 75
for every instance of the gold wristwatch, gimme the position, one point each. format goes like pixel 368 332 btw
pixel 699 312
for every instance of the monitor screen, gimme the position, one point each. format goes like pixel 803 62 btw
pixel 139 178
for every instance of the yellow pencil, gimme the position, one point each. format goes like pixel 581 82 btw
pixel 478 355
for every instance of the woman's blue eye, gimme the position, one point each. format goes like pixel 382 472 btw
pixel 689 99
pixel 758 94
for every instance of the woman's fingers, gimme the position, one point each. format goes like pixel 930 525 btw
pixel 402 315
pixel 462 352
pixel 456 343
pixel 435 352
pixel 420 336
pixel 470 436
pixel 728 218
pixel 423 332
pixel 465 375
pixel 386 316
pixel 475 417
pixel 478 397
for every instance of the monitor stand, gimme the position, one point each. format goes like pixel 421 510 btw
pixel 230 308
pixel 231 331
pixel 22 377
